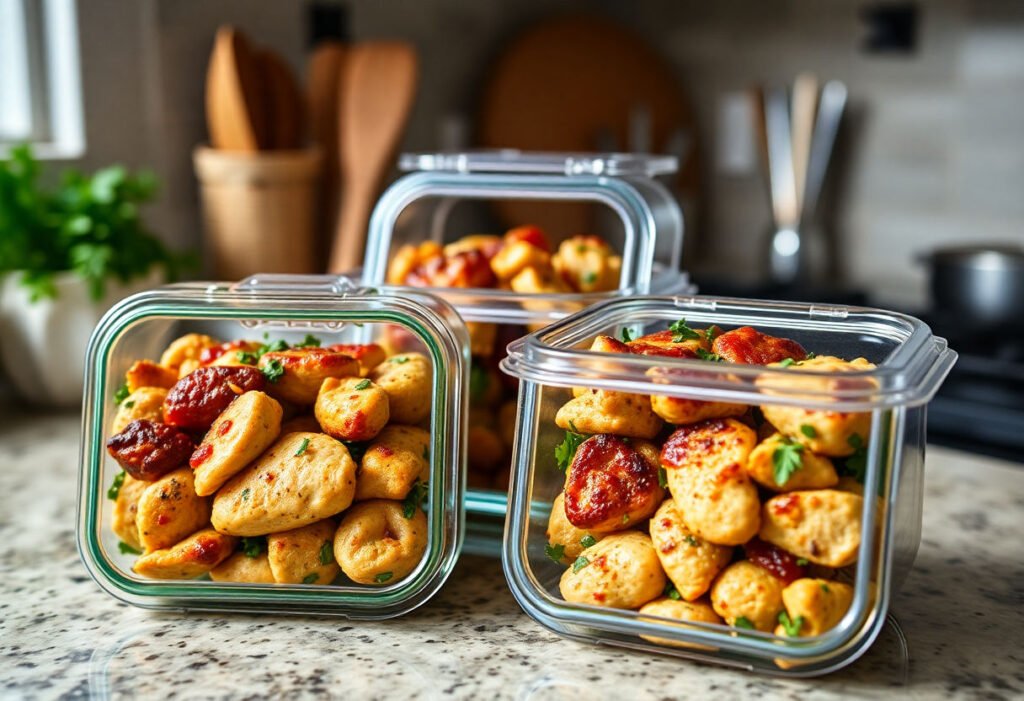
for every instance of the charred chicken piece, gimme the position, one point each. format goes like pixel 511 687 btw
pixel 147 450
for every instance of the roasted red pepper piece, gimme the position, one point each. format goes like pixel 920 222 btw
pixel 197 399
pixel 148 450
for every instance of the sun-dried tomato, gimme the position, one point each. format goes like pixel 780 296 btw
pixel 148 450
pixel 197 399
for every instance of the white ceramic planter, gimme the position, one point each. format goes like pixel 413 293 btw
pixel 43 343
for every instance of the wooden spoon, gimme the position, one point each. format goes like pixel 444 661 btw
pixel 283 102
pixel 323 81
pixel 804 109
pixel 377 89
pixel 235 111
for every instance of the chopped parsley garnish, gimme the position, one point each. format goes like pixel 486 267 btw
pixel 810 356
pixel 824 588
pixel 273 370
pixel 414 498
pixel 681 332
pixel 426 452
pixel 857 464
pixel 808 430
pixel 787 362
pixel 326 553
pixel 273 347
pixel 566 450
pixel 743 622
pixel 691 541
pixel 671 592
pixel 246 357
pixel 302 447
pixel 792 627
pixel 580 563
pixel 121 394
pixel 129 405
pixel 252 547
pixel 245 494
pixel 662 477
pixel 589 278
pixel 786 460
pixel 711 332
pixel 626 336
pixel 479 382
pixel 127 549
pixel 356 449
pixel 710 357
pixel 310 578
pixel 115 487
pixel 363 384
pixel 802 562
pixel 555 551
pixel 625 518
pixel 309 341
pixel 383 577
pixel 587 541
pixel 398 360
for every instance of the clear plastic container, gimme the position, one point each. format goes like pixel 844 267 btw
pixel 910 362
pixel 334 310
pixel 648 237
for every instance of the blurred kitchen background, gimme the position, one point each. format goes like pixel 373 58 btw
pixel 929 153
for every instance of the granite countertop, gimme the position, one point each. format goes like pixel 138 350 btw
pixel 961 611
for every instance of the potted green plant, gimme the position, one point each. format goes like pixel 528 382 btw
pixel 66 255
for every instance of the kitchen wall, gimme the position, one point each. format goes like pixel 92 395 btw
pixel 932 152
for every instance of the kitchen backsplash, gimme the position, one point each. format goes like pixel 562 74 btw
pixel 932 151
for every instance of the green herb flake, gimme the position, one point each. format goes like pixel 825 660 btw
pixel 414 499
pixel 787 459
pixel 399 360
pixel 356 449
pixel 792 627
pixel 587 541
pixel 857 464
pixel 743 622
pixel 802 562
pixel 245 494
pixel 309 341
pixel 808 430
pixel 273 370
pixel 383 577
pixel 786 363
pixel 252 547
pixel 129 404
pixel 121 394
pixel 711 332
pixel 363 384
pixel 246 358
pixel 811 356
pixel 115 487
pixel 691 541
pixel 273 347
pixel 554 551
pixel 310 578
pixel 824 588
pixel 302 447
pixel 682 332
pixel 580 563
pixel 626 336
pixel 126 549
pixel 625 518
pixel 479 381
pixel 709 357
pixel 589 278
pixel 662 477
pixel 326 553
pixel 566 450
pixel 671 592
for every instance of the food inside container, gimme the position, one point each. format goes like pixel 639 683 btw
pixel 726 480
pixel 255 444
pixel 508 283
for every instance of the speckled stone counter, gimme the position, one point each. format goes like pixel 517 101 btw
pixel 961 612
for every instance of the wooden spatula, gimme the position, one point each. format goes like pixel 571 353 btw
pixel 235 109
pixel 378 85
pixel 323 81
pixel 284 104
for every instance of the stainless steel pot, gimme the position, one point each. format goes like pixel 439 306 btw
pixel 984 284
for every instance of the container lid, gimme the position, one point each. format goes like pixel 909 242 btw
pixel 910 363
pixel 335 309
pixel 551 162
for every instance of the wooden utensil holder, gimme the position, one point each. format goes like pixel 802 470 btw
pixel 259 210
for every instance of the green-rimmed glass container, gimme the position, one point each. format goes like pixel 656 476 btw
pixel 334 309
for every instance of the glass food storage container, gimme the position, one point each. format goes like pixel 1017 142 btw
pixel 282 328
pixel 642 229
pixel 816 598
